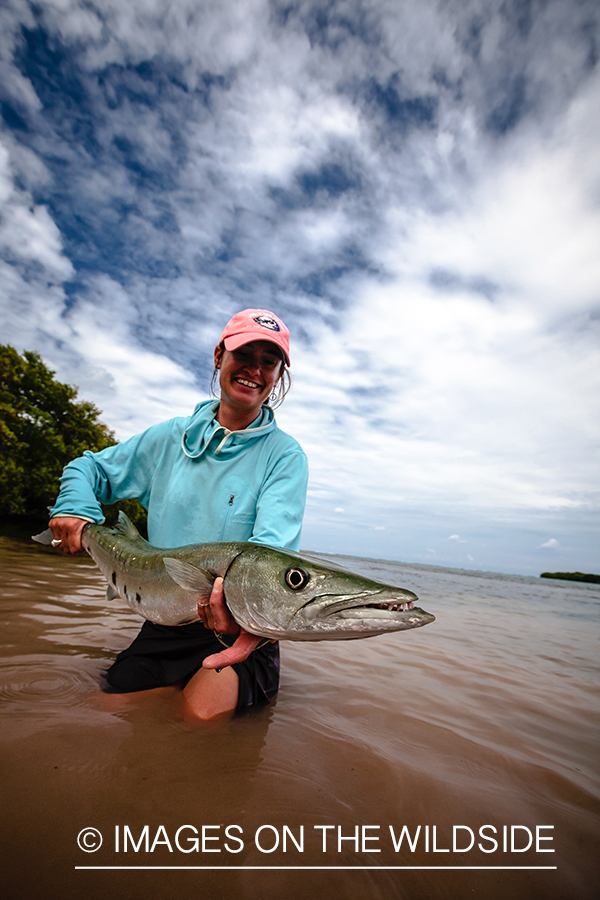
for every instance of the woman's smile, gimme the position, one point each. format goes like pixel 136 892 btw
pixel 247 376
pixel 246 383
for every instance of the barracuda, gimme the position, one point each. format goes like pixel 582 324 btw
pixel 270 592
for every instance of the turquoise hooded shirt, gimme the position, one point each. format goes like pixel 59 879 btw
pixel 199 481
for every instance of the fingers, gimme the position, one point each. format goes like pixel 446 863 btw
pixel 240 651
pixel 67 530
pixel 214 614
pixel 224 621
pixel 204 607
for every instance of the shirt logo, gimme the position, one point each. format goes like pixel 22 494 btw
pixel 267 322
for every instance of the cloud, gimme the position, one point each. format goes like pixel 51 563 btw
pixel 552 544
pixel 414 187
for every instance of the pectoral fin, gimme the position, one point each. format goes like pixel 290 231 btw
pixel 190 577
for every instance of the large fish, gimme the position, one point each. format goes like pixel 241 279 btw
pixel 270 592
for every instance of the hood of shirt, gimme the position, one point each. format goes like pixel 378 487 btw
pixel 204 434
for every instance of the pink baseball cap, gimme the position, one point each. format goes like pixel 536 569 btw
pixel 256 325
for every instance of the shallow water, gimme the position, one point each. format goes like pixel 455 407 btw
pixel 487 717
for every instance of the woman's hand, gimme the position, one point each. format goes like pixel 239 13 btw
pixel 67 530
pixel 238 652
pixel 217 617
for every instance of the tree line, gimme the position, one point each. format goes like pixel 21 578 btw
pixel 572 576
pixel 43 425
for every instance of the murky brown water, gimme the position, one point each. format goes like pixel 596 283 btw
pixel 488 717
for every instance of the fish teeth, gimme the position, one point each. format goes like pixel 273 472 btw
pixel 391 606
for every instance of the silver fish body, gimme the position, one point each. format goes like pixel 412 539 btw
pixel 270 592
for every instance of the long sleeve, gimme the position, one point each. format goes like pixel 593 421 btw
pixel 121 472
pixel 281 503
pixel 252 487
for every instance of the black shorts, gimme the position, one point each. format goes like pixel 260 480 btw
pixel 164 654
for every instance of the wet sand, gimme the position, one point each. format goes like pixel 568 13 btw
pixel 488 717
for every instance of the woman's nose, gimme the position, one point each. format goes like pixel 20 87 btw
pixel 254 365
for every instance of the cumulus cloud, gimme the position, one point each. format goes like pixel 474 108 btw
pixel 414 187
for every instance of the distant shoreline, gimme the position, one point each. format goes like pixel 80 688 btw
pixel 21 527
pixel 572 576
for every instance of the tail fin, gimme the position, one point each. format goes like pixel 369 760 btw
pixel 44 537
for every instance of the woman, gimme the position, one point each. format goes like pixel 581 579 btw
pixel 226 473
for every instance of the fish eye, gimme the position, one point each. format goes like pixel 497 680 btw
pixel 296 578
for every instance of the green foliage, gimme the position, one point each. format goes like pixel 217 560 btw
pixel 42 427
pixel 572 576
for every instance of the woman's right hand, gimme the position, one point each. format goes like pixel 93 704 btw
pixel 67 530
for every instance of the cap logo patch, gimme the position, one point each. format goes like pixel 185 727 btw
pixel 267 322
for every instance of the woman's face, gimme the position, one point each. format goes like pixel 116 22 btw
pixel 248 375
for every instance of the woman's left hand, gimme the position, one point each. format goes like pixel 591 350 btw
pixel 217 617
pixel 237 653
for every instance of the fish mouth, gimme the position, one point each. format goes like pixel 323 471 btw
pixel 375 609
pixel 357 604
pixel 368 613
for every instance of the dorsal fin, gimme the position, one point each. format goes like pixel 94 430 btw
pixel 125 526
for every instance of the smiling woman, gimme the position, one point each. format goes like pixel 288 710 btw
pixel 248 375
pixel 226 473
pixel 259 365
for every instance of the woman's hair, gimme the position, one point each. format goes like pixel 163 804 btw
pixel 281 389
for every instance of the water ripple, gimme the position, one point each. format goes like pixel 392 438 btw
pixel 34 685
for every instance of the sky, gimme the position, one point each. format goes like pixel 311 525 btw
pixel 413 186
